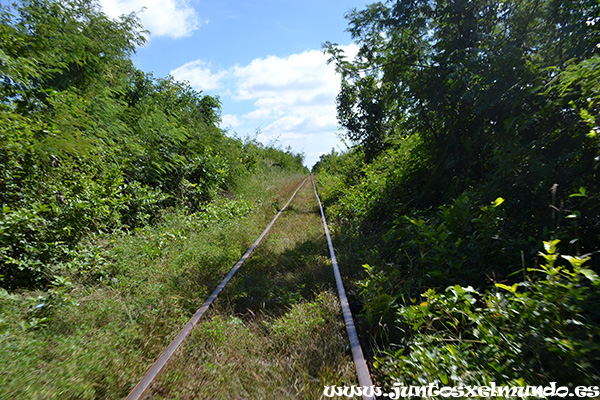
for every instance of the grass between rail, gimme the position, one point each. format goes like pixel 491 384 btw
pixel 124 297
pixel 276 332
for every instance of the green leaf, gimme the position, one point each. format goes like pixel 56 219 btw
pixel 550 247
pixel 512 289
pixel 576 262
pixel 443 377
pixel 591 275
pixel 582 193
pixel 451 349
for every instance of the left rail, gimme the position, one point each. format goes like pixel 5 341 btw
pixel 145 383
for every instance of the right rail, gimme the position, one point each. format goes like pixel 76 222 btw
pixel 362 370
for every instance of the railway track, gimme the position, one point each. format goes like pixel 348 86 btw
pixel 362 371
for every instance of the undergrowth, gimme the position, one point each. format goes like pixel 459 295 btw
pixel 545 327
pixel 465 291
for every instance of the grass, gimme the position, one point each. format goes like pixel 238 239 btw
pixel 118 303
pixel 276 331
pixel 120 300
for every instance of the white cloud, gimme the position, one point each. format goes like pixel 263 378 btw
pixel 173 18
pixel 199 75
pixel 261 113
pixel 230 121
pixel 297 91
pixel 293 98
pixel 298 73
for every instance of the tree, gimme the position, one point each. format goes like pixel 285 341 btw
pixel 470 77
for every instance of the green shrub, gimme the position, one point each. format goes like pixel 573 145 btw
pixel 544 329
pixel 461 243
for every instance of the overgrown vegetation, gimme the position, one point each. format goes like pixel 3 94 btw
pixel 122 297
pixel 468 209
pixel 475 140
pixel 122 202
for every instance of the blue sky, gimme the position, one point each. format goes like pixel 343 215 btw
pixel 262 59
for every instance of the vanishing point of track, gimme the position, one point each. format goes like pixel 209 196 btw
pixel 360 364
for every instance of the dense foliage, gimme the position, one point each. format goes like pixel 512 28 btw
pixel 90 144
pixel 475 132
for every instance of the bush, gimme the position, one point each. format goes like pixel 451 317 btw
pixel 543 329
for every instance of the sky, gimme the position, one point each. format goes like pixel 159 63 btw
pixel 262 58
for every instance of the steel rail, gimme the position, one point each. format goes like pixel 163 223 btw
pixel 362 370
pixel 143 385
